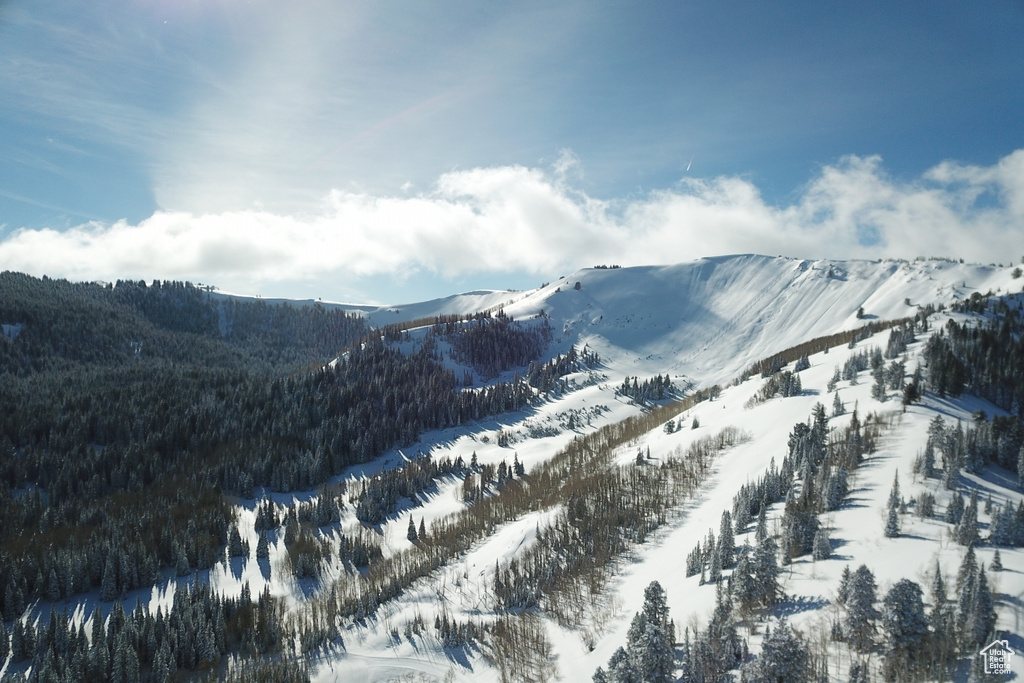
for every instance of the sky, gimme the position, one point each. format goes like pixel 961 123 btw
pixel 394 151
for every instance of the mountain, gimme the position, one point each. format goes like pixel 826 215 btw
pixel 711 318
pixel 473 497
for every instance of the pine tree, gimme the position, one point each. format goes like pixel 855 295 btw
pixel 411 532
pixel 743 583
pixel 784 658
pixel 859 673
pixel 860 609
pixel 621 669
pixel 108 588
pixel 966 531
pixel 892 524
pixel 955 509
pixel 822 545
pixel 726 544
pixel 654 658
pixel 982 619
pixel 843 592
pixel 906 631
pixel 766 569
pixel 263 547
pixel 966 583
pixel 894 492
pixel 1020 469
pixel 997 562
pixel 19 650
pixel 836 489
pixel 761 531
pixel 928 464
pixel 4 642
pixel 837 406
pixel 235 548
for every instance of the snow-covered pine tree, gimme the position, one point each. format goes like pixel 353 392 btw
pixel 966 532
pixel 822 545
pixel 955 509
pixel 859 672
pixel 766 569
pixel 906 631
pixel 761 532
pixel 621 669
pixel 982 619
pixel 878 388
pixel 894 492
pixel 726 545
pixel 784 658
pixel 928 460
pixel 861 613
pixel 941 621
pixel 966 582
pixel 411 531
pixel 836 489
pixel 1020 469
pixel 892 523
pixel 843 592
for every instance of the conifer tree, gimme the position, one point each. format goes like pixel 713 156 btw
pixel 761 532
pixel 894 493
pixel 726 544
pixel 843 592
pixel 837 405
pixel 263 546
pixel 822 545
pixel 967 530
pixel 906 631
pixel 955 509
pixel 928 461
pixel 784 657
pixel 861 613
pixel 411 532
pixel 621 669
pixel 4 641
pixel 108 589
pixel 892 524
pixel 982 619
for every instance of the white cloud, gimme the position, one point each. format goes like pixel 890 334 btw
pixel 512 219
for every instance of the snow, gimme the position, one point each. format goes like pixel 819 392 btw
pixel 703 323
pixel 708 321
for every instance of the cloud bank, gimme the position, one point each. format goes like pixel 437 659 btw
pixel 513 219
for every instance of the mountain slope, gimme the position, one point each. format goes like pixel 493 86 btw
pixel 711 318
pixel 464 592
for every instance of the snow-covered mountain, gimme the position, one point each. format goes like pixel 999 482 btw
pixel 706 321
pixel 700 324
pixel 710 318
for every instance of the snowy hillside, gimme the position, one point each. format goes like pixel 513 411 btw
pixel 855 529
pixel 518 542
pixel 711 318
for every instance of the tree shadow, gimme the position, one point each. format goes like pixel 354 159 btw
pixel 264 565
pixel 803 603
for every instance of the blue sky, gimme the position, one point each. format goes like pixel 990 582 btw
pixel 393 151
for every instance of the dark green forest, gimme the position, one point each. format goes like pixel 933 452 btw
pixel 132 414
